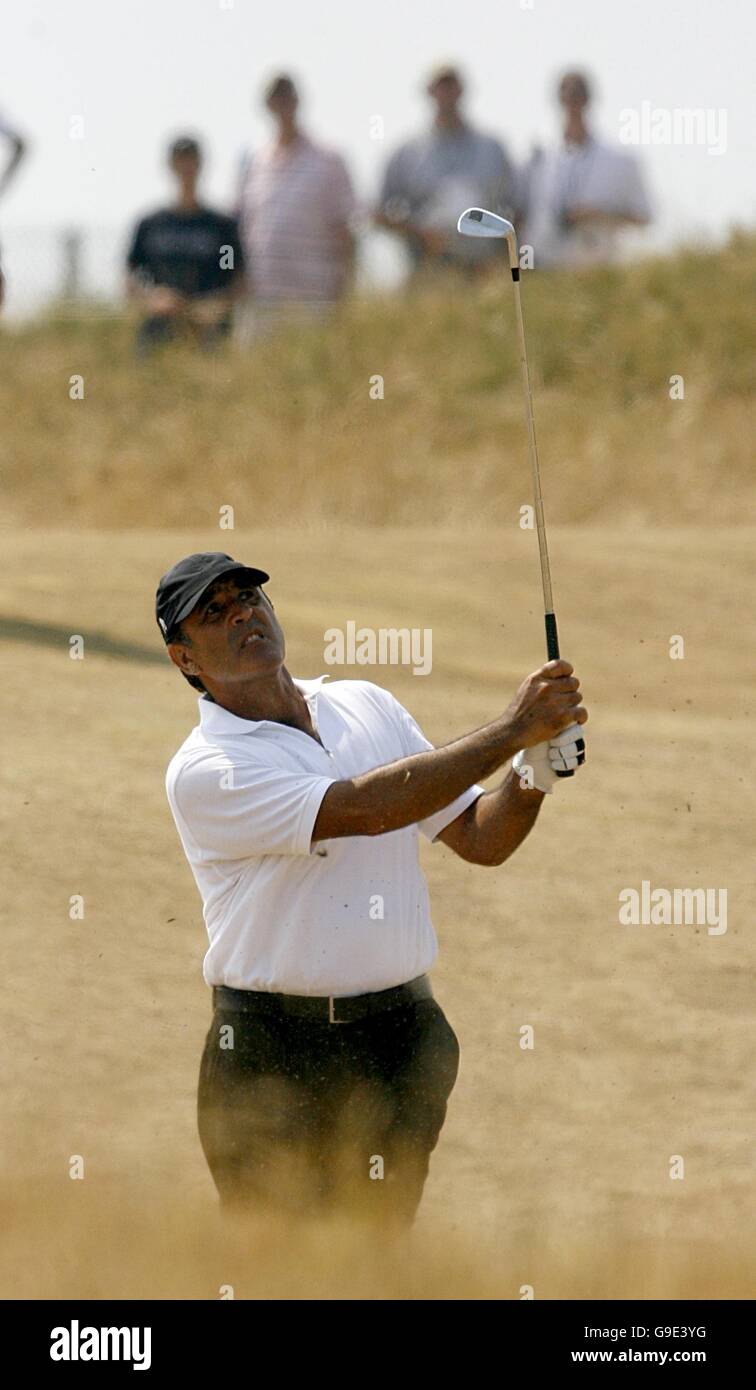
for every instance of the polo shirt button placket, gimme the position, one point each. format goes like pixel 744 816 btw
pixel 313 717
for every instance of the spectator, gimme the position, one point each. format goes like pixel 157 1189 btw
pixel 18 149
pixel 185 262
pixel 295 208
pixel 580 195
pixel 430 180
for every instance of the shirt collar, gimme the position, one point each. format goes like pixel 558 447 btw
pixel 216 720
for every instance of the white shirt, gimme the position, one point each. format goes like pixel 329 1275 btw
pixel 340 917
pixel 593 175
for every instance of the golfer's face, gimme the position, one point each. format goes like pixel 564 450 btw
pixel 234 632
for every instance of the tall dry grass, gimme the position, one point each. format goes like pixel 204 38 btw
pixel 288 431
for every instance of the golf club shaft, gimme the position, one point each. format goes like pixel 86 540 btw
pixel 479 222
pixel 552 640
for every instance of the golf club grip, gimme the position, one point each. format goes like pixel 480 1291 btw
pixel 552 651
pixel 552 640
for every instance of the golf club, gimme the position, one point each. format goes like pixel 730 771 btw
pixel 478 222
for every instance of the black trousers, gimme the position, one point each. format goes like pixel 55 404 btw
pixel 308 1117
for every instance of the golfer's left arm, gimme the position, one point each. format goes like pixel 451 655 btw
pixel 491 829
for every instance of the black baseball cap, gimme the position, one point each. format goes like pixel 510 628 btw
pixel 180 590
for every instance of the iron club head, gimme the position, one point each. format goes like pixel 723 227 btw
pixel 479 222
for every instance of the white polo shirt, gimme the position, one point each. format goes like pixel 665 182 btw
pixel 570 176
pixel 338 917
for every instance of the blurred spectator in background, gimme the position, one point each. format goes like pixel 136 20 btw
pixel 430 180
pixel 580 195
pixel 185 262
pixel 296 205
pixel 17 151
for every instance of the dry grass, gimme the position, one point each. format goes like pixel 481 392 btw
pixel 289 430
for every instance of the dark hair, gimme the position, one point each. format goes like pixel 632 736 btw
pixel 278 86
pixel 178 635
pixel 580 79
pixel 184 144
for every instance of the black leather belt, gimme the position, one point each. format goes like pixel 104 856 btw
pixel 322 1008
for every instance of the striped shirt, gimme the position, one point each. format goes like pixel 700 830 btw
pixel 295 201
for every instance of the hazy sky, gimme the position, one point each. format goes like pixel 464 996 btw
pixel 137 72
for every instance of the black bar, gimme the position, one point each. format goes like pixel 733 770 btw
pixel 211 1339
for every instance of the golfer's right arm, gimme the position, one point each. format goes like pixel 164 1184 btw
pixel 402 793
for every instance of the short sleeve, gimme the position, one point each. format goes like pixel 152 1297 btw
pixel 635 197
pixel 7 128
pixel 240 809
pixel 342 203
pixel 414 741
pixel 135 259
pixel 615 184
pixel 234 237
pixel 501 164
pixel 243 167
pixel 525 181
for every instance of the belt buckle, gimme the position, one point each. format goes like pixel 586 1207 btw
pixel 331 1015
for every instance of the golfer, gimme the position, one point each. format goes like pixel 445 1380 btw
pixel 328 1063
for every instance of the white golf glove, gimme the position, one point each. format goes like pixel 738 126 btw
pixel 539 766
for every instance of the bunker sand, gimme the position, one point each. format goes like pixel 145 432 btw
pixel 553 1170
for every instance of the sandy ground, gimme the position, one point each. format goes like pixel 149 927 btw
pixel 553 1170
